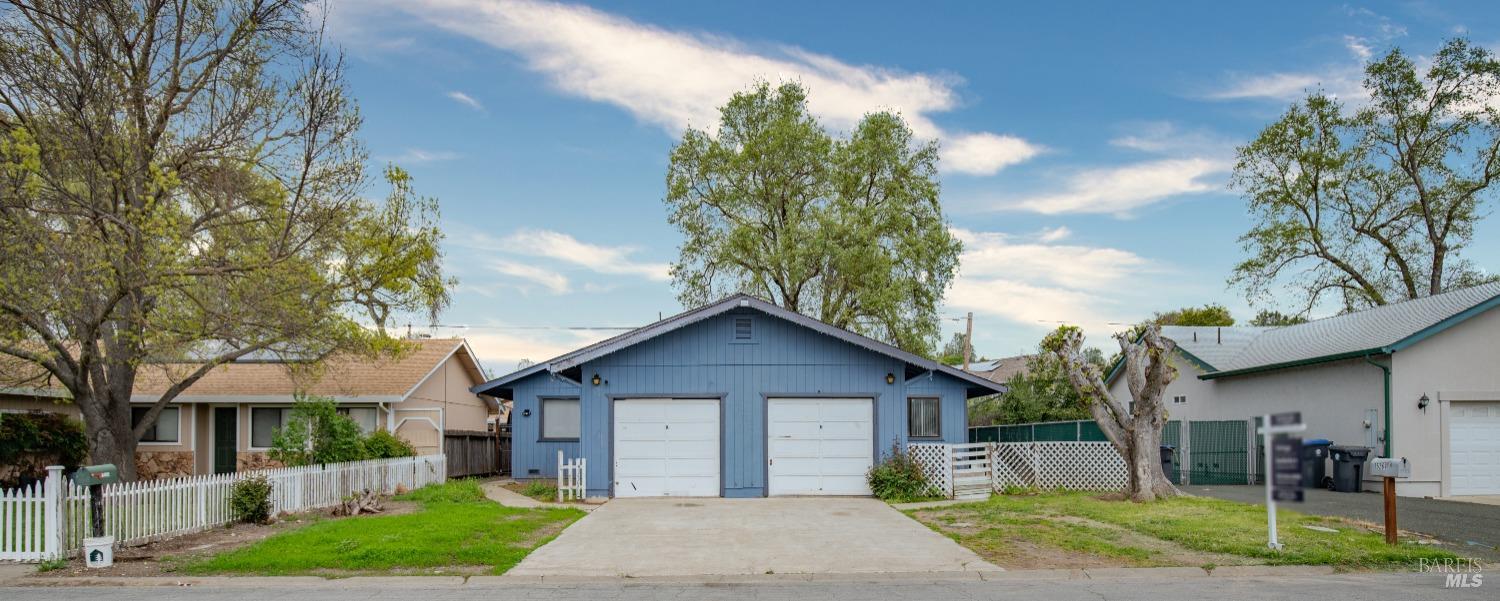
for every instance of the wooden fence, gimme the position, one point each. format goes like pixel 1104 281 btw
pixel 51 519
pixel 472 453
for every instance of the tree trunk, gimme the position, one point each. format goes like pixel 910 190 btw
pixel 111 437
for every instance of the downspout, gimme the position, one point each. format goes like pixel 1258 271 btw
pixel 1386 377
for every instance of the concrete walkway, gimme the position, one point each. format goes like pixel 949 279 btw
pixel 1471 528
pixel 496 491
pixel 695 537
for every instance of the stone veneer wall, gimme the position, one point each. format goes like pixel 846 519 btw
pixel 254 460
pixel 161 465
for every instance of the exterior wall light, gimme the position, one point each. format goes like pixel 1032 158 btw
pixel 525 413
pixel 595 380
pixel 890 378
pixel 1423 402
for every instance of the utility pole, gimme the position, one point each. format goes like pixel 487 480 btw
pixel 968 340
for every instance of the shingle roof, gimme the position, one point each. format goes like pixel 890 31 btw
pixel 1379 329
pixel 1001 370
pixel 737 301
pixel 1212 346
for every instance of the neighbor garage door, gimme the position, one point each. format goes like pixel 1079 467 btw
pixel 1474 448
pixel 819 446
pixel 666 448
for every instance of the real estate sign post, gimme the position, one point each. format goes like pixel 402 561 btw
pixel 1283 464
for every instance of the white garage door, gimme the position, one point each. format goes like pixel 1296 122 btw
pixel 1474 448
pixel 667 448
pixel 819 446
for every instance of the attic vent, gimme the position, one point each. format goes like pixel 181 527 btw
pixel 742 328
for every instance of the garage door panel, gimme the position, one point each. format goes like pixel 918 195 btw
pixel 666 447
pixel 819 446
pixel 1474 448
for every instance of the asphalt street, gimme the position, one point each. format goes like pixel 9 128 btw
pixel 1405 586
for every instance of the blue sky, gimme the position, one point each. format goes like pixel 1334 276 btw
pixel 1086 148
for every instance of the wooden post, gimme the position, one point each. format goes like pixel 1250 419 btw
pixel 1390 510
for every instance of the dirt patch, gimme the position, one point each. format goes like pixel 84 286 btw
pixel 162 558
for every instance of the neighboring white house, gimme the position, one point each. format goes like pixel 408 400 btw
pixel 1432 365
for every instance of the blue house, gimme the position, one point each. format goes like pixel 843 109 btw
pixel 740 398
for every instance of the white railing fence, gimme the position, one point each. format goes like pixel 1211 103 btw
pixel 570 478
pixel 52 519
pixel 972 471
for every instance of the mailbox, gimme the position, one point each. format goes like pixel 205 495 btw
pixel 90 475
pixel 1386 467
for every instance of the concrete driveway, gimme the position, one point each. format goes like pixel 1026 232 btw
pixel 680 537
pixel 1472 528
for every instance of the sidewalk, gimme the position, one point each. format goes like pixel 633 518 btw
pixel 496 491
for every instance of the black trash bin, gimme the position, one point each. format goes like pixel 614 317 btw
pixel 1167 451
pixel 1348 467
pixel 1314 460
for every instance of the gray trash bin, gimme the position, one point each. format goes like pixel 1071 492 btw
pixel 1348 467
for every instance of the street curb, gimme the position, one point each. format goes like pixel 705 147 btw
pixel 458 582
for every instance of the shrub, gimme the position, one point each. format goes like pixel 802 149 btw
pixel 898 479
pixel 540 491
pixel 384 445
pixel 466 490
pixel 29 442
pixel 315 433
pixel 250 500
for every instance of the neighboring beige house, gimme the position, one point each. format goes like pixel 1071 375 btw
pixel 1422 376
pixel 1000 370
pixel 224 422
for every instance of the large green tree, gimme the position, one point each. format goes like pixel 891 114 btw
pixel 1374 204
pixel 848 230
pixel 181 186
pixel 1039 393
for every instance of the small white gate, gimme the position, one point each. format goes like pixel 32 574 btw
pixel 26 531
pixel 570 478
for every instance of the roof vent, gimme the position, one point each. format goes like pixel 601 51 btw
pixel 742 328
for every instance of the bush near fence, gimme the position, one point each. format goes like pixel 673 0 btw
pixel 51 519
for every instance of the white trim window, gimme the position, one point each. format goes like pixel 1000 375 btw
pixel 264 422
pixel 560 419
pixel 166 430
pixel 364 416
pixel 1179 400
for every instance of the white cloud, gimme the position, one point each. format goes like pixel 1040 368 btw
pixel 1030 281
pixel 466 100
pixel 551 280
pixel 1055 234
pixel 1120 190
pixel 500 349
pixel 677 79
pixel 613 260
pixel 1278 86
pixel 418 155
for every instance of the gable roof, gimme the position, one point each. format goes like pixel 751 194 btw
pixel 915 364
pixel 1001 370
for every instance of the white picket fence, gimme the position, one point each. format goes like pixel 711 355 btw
pixel 51 518
pixel 571 475
pixel 972 471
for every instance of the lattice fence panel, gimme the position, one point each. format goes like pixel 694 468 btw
pixel 937 465
pixel 1059 465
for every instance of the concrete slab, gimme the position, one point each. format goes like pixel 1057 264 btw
pixel 688 537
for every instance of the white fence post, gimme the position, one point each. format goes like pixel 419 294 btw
pixel 52 513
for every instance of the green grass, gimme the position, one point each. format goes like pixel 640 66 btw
pixel 540 491
pixel 1194 523
pixel 456 527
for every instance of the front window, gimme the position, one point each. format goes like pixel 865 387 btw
pixel 922 415
pixel 167 427
pixel 364 416
pixel 264 421
pixel 560 419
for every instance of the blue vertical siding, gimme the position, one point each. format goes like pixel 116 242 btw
pixel 528 452
pixel 782 359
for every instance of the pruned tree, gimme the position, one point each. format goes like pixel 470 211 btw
pixel 181 186
pixel 1375 204
pixel 1133 428
pixel 849 231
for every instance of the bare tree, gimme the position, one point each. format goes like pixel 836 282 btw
pixel 180 187
pixel 1135 428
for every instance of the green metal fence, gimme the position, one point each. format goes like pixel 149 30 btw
pixel 1171 436
pixel 1204 452
pixel 1219 452
pixel 1073 431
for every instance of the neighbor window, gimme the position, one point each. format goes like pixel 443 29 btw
pixel 1179 400
pixel 167 426
pixel 560 419
pixel 264 421
pixel 364 416
pixel 922 415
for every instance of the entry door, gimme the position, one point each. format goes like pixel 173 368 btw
pixel 666 448
pixel 1474 448
pixel 226 439
pixel 819 446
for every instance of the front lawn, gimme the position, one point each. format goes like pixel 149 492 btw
pixel 1079 527
pixel 456 530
